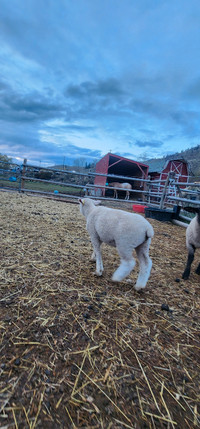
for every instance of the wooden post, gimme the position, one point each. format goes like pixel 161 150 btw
pixel 22 174
pixel 161 206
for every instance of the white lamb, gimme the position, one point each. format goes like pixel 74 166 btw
pixel 123 230
pixel 192 242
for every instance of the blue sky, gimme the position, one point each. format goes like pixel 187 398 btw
pixel 80 78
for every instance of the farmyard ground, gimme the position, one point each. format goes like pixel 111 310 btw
pixel 78 351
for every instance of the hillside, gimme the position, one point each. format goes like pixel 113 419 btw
pixel 192 156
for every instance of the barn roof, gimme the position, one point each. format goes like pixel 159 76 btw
pixel 158 165
pixel 118 165
pixel 114 157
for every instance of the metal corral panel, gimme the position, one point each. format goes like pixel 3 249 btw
pixel 181 174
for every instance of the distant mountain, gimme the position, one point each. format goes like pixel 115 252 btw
pixel 192 156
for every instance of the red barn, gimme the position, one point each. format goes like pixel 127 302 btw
pixel 116 165
pixel 159 169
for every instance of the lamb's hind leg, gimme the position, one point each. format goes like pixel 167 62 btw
pixel 190 259
pixel 198 270
pixel 145 264
pixel 126 266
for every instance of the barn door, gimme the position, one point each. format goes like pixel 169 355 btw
pixel 177 169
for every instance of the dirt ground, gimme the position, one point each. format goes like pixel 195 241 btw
pixel 79 351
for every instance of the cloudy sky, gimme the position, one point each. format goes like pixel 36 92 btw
pixel 80 78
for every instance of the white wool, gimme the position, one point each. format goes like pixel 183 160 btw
pixel 126 231
pixel 192 242
pixel 193 233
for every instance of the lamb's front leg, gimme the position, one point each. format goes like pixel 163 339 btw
pixel 190 258
pixel 97 256
pixel 93 257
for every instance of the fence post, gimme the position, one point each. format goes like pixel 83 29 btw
pixel 22 174
pixel 147 187
pixel 161 206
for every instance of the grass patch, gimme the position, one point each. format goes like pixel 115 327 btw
pixel 41 186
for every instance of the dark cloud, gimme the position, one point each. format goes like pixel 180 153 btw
pixel 125 104
pixel 102 88
pixel 96 100
pixel 3 87
pixel 188 122
pixel 72 127
pixel 34 106
pixel 150 144
pixel 127 155
pixel 193 91
pixel 72 74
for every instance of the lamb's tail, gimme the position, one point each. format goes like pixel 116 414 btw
pixel 149 232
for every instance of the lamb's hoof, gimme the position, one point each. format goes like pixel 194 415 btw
pixel 139 288
pixel 115 279
pixel 197 271
pixel 98 274
pixel 185 276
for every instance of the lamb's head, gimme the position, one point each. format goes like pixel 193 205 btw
pixel 87 204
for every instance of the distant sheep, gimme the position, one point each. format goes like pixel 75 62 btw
pixel 123 230
pixel 126 186
pixel 192 242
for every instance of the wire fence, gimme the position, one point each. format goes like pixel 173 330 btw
pixel 57 183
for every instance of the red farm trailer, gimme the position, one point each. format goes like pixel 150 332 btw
pixel 115 165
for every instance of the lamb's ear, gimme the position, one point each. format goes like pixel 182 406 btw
pixel 97 202
pixel 81 201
